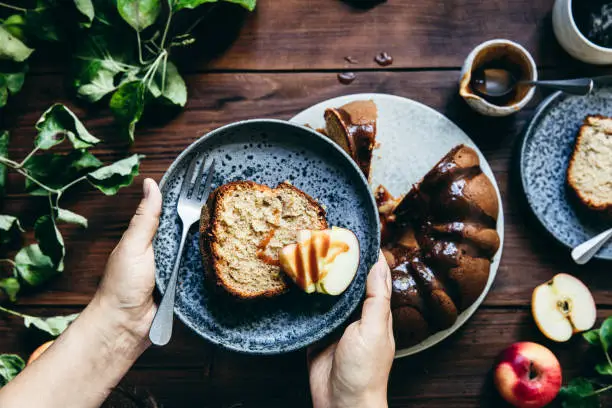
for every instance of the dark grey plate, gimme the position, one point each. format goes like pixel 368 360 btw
pixel 268 152
pixel 544 157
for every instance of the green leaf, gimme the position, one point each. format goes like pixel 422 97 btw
pixel 190 4
pixel 95 81
pixel 10 228
pixel 53 325
pixel 4 141
pixel 127 104
pixel 579 393
pixel 605 334
pixel 172 89
pixel 12 76
pixel 592 337
pixel 604 368
pixel 139 14
pixel 50 240
pixel 10 366
pixel 32 266
pixel 4 93
pixel 59 121
pixel 71 217
pixel 86 8
pixel 15 24
pixel 109 179
pixel 11 47
pixel 57 170
pixel 11 287
pixel 43 24
pixel 247 4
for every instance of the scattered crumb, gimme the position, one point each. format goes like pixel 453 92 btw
pixel 346 78
pixel 383 59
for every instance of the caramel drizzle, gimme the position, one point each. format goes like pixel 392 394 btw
pixel 263 245
pixel 328 251
pixel 261 249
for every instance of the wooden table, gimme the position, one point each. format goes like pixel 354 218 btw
pixel 285 59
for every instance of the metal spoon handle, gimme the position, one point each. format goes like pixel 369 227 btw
pixel 161 329
pixel 585 251
pixel 579 86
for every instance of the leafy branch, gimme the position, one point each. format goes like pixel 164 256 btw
pixel 12 364
pixel 51 175
pixel 582 392
pixel 124 55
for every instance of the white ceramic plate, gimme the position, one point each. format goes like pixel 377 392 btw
pixel 413 138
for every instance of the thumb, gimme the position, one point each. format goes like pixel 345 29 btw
pixel 144 223
pixel 376 312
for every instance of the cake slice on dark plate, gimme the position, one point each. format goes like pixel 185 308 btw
pixel 590 169
pixel 243 227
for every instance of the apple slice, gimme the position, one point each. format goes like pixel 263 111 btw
pixel 295 261
pixel 563 306
pixel 324 261
pixel 341 263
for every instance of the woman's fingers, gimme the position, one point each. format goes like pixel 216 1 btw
pixel 376 313
pixel 144 223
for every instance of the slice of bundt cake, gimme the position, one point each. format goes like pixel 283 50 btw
pixel 443 234
pixel 590 169
pixel 353 128
pixel 242 229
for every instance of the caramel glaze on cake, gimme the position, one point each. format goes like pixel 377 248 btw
pixel 353 127
pixel 439 241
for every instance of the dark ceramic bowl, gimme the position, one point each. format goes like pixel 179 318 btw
pixel 544 157
pixel 268 152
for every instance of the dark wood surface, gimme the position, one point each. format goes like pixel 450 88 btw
pixel 285 58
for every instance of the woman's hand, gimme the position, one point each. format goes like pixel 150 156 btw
pixel 129 280
pixel 84 364
pixel 354 372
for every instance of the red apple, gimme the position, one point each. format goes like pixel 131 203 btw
pixel 528 375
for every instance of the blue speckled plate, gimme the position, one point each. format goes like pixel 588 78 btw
pixel 544 157
pixel 268 152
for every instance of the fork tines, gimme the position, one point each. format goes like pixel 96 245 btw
pixel 192 183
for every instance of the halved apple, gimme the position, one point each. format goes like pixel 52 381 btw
pixel 563 306
pixel 324 261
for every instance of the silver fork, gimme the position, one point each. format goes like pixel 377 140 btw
pixel 188 209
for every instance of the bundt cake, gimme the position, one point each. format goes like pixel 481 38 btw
pixel 244 225
pixel 353 127
pixel 439 241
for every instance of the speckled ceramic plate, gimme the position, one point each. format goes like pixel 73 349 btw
pixel 268 152
pixel 547 146
pixel 413 138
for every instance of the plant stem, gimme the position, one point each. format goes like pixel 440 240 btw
pixel 166 29
pixel 13 7
pixel 32 153
pixel 9 162
pixel 153 67
pixel 150 49
pixel 38 183
pixel 199 20
pixel 72 183
pixel 12 312
pixel 17 167
pixel 602 390
pixel 139 48
pixel 164 73
pixel 9 261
